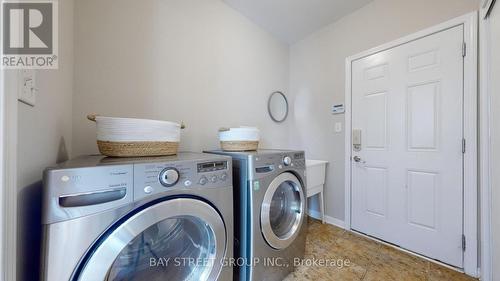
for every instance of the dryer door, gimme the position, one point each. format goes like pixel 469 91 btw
pixel 178 239
pixel 283 210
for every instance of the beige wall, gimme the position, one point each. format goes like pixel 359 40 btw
pixel 196 61
pixel 44 138
pixel 45 129
pixel 317 74
pixel 494 90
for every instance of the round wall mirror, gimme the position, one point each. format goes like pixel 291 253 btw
pixel 278 106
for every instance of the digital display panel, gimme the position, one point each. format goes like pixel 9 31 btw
pixel 212 166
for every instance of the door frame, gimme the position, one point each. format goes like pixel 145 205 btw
pixel 8 170
pixel 470 203
pixel 485 140
pixel 8 174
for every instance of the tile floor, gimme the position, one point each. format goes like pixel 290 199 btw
pixel 363 259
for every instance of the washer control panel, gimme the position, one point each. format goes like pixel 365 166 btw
pixel 154 178
pixel 269 163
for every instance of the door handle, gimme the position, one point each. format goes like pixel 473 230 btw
pixel 358 159
pixel 92 198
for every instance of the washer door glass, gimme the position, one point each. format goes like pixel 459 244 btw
pixel 282 211
pixel 285 205
pixel 180 239
pixel 173 249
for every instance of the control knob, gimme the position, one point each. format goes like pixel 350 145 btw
pixel 213 179
pixel 203 180
pixel 287 160
pixel 169 177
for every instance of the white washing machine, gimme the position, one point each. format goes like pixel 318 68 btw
pixel 270 209
pixel 168 218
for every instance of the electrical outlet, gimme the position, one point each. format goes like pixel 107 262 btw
pixel 27 87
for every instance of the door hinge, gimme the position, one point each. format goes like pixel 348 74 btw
pixel 463 242
pixel 464 49
pixel 463 146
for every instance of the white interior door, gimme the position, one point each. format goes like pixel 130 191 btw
pixel 407 185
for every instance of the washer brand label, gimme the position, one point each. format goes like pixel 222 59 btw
pixel 256 185
pixel 72 178
pixel 298 155
pixel 118 173
pixel 122 184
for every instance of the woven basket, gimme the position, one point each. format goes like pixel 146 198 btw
pixel 129 137
pixel 136 149
pixel 239 145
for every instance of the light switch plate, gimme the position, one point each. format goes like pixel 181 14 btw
pixel 27 87
pixel 338 127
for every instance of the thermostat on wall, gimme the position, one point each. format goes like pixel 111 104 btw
pixel 338 108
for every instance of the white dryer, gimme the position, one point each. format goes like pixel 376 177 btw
pixel 168 218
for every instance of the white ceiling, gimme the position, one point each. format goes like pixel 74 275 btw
pixel 292 20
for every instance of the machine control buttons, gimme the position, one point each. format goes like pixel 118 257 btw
pixel 148 189
pixel 169 177
pixel 187 183
pixel 203 180
pixel 287 160
pixel 223 177
pixel 213 178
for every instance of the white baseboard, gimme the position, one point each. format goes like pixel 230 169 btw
pixel 329 220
